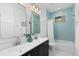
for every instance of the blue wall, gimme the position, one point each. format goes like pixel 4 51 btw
pixel 66 30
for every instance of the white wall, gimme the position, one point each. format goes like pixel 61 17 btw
pixel 6 20
pixel 28 11
pixel 11 16
pixel 6 26
pixel 9 22
pixel 77 29
pixel 43 20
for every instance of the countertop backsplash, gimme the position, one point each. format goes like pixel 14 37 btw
pixel 8 42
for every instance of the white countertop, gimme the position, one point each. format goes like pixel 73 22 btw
pixel 22 48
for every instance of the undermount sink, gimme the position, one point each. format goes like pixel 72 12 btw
pixel 22 48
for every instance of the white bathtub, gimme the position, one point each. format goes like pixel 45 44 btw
pixel 63 47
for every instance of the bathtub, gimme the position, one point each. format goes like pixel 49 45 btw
pixel 63 46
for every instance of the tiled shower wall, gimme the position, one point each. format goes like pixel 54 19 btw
pixel 64 31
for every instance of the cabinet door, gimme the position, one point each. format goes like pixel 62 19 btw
pixel 46 48
pixel 25 54
pixel 34 52
pixel 43 49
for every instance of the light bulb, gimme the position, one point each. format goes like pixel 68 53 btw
pixel 33 6
pixel 37 9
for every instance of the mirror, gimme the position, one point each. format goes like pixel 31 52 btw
pixel 35 23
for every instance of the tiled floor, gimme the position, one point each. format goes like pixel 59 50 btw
pixel 53 51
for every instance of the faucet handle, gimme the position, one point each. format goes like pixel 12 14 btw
pixel 24 34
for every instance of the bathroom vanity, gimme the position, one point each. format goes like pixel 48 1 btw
pixel 40 50
pixel 38 47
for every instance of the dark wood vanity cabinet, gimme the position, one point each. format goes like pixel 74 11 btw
pixel 41 50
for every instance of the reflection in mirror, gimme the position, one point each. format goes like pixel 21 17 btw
pixel 35 23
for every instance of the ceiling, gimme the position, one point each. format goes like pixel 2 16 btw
pixel 58 6
pixel 52 7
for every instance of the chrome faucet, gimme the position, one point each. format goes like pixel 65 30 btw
pixel 17 42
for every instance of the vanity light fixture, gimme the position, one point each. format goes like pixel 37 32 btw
pixel 35 7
